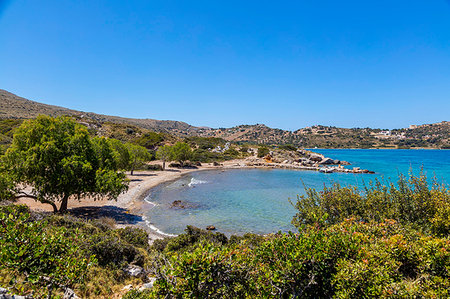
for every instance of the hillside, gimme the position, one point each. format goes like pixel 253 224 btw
pixel 424 136
pixel 13 106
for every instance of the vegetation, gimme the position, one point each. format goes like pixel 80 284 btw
pixel 358 250
pixel 41 254
pixel 138 156
pixel 387 240
pixel 411 202
pixel 165 154
pixel 263 151
pixel 150 140
pixel 58 160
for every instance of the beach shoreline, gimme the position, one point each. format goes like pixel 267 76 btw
pixel 128 209
pixel 132 201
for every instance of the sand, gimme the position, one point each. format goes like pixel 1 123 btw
pixel 127 209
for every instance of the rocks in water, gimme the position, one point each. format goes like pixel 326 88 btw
pixel 179 204
pixel 345 163
pixel 336 162
pixel 134 270
pixel 210 227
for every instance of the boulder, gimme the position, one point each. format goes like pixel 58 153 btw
pixel 345 163
pixel 5 295
pixel 134 270
pixel 336 162
pixel 70 294
pixel 149 284
pixel 210 227
pixel 326 161
pixel 315 157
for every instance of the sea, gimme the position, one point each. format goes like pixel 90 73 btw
pixel 237 201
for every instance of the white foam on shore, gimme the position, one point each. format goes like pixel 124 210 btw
pixel 196 182
pixel 155 229
pixel 147 200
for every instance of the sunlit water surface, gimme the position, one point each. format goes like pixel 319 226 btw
pixel 236 201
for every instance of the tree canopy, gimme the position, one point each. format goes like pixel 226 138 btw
pixel 58 159
pixel 181 152
pixel 164 153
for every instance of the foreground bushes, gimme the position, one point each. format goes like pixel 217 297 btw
pixel 36 257
pixel 412 202
pixel 41 254
pixel 380 242
pixel 343 260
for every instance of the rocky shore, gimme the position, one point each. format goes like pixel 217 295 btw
pixel 301 160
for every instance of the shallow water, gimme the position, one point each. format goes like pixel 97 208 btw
pixel 236 201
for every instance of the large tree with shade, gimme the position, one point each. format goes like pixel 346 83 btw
pixel 54 159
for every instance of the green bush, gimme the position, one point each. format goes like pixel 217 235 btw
pixel 411 201
pixel 262 151
pixel 288 147
pixel 37 256
pixel 192 236
pixel 346 260
pixel 134 236
pixel 110 251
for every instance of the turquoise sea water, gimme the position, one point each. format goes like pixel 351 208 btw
pixel 236 201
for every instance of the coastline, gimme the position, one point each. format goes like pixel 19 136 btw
pixel 127 210
pixel 130 203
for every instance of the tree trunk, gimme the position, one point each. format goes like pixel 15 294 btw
pixel 55 208
pixel 164 164
pixel 132 167
pixel 63 206
pixel 23 194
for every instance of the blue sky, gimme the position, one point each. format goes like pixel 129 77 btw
pixel 288 64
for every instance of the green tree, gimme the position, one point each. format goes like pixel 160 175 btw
pixel 58 159
pixel 150 140
pixel 123 156
pixel 139 155
pixel 181 152
pixel 164 153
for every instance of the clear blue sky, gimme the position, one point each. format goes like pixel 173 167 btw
pixel 288 64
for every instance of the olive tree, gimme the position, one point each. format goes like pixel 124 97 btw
pixel 164 153
pixel 57 159
pixel 138 156
pixel 181 152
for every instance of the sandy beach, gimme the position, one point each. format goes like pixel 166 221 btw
pixel 127 209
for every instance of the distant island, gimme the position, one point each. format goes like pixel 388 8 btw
pixel 13 109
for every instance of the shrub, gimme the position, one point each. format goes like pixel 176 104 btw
pixel 37 256
pixel 288 147
pixel 262 151
pixel 134 236
pixel 411 202
pixel 111 252
pixel 192 236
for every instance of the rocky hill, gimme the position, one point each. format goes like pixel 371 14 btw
pixel 13 107
pixel 424 136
